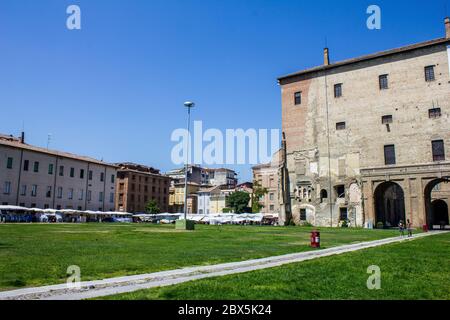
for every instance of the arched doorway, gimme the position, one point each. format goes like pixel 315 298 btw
pixel 389 204
pixel 439 210
pixel 436 207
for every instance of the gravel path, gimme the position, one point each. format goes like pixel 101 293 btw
pixel 100 288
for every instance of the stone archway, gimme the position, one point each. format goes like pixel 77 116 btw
pixel 389 204
pixel 439 209
pixel 436 210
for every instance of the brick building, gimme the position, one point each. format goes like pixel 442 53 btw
pixel 368 138
pixel 137 185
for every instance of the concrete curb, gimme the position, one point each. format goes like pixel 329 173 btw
pixel 105 287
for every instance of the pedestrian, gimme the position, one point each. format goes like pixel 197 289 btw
pixel 410 230
pixel 401 228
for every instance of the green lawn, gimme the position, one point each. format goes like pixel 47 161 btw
pixel 419 269
pixel 39 254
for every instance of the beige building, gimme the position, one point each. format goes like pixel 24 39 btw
pixel 267 176
pixel 36 177
pixel 368 138
pixel 176 197
pixel 137 185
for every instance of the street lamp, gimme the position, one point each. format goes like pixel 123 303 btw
pixel 189 105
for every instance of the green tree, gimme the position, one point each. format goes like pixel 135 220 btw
pixel 258 193
pixel 238 201
pixel 152 207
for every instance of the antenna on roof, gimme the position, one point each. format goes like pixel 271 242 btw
pixel 49 138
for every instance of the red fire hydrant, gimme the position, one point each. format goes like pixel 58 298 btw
pixel 315 239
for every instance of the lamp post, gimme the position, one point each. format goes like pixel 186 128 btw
pixel 188 105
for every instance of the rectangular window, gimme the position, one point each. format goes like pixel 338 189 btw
pixel 102 177
pixel 340 191
pixel 389 155
pixel 438 150
pixel 80 194
pixel 383 80
pixel 298 98
pixel 36 166
pixel 429 74
pixel 81 173
pixel 50 168
pixel 271 196
pixel 60 192
pixel 90 174
pixel 338 90
pixel 9 163
pixel 272 208
pixel 48 193
pixel 340 126
pixel 70 194
pixel 386 119
pixel 113 178
pixel 100 196
pixel 23 190
pixel 111 197
pixel 89 195
pixel 72 172
pixel 434 113
pixel 34 190
pixel 61 171
pixel 7 188
pixel 26 165
pixel 302 214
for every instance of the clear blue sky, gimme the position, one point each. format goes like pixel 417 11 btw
pixel 115 89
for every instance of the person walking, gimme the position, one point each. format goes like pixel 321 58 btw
pixel 410 230
pixel 401 228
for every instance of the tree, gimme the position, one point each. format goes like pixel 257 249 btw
pixel 238 201
pixel 258 193
pixel 152 207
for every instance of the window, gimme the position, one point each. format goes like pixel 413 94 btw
pixel 340 126
pixel 34 190
pixel 272 208
pixel 323 195
pixel 60 192
pixel 36 166
pixel 429 74
pixel 72 172
pixel 340 191
pixel 90 174
pixel 383 80
pixel 100 196
pixel 102 177
pixel 26 165
pixel 89 195
pixel 9 163
pixel 434 113
pixel 80 194
pixel 70 194
pixel 438 150
pixel 343 214
pixel 386 119
pixel 389 155
pixel 61 171
pixel 302 214
pixel 271 196
pixel 7 188
pixel 48 193
pixel 23 190
pixel 338 90
pixel 113 178
pixel 81 173
pixel 50 168
pixel 298 98
pixel 111 197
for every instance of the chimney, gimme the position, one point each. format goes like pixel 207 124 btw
pixel 447 27
pixel 326 57
pixel 22 137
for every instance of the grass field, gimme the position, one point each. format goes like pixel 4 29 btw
pixel 39 254
pixel 419 269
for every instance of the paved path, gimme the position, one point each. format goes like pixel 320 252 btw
pixel 100 288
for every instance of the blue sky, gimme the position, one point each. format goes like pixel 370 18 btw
pixel 115 89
